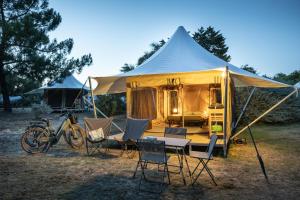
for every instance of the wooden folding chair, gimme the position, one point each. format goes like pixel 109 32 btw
pixel 204 158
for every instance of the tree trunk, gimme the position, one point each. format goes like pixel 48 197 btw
pixel 4 89
pixel 3 83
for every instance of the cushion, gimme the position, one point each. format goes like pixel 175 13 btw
pixel 96 134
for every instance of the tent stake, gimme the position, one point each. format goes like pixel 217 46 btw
pixel 265 113
pixel 92 95
pixel 244 108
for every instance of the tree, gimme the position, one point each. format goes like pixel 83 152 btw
pixel 249 69
pixel 127 67
pixel 213 41
pixel 155 46
pixel 291 78
pixel 26 51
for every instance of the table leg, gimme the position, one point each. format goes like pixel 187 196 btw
pixel 181 165
pixel 187 164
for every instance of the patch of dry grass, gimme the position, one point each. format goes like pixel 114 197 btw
pixel 64 173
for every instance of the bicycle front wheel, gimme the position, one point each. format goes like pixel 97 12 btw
pixel 74 136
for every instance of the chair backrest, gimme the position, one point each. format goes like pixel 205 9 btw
pixel 152 150
pixel 135 128
pixel 96 123
pixel 211 145
pixel 175 132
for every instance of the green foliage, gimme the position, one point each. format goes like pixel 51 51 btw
pixel 291 78
pixel 213 41
pixel 127 67
pixel 155 46
pixel 249 69
pixel 26 51
pixel 112 104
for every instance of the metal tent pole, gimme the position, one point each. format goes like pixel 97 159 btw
pixel 225 112
pixel 265 113
pixel 92 95
pixel 244 108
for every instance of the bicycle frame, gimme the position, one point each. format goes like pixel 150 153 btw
pixel 61 130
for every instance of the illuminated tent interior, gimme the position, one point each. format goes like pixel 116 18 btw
pixel 184 85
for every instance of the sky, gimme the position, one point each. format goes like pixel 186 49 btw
pixel 265 34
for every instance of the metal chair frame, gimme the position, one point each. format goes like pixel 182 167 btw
pixel 208 157
pixel 93 147
pixel 152 147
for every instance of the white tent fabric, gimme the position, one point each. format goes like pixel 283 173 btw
pixel 297 85
pixel 70 82
pixel 183 54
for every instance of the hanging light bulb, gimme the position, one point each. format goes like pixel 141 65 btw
pixel 175 110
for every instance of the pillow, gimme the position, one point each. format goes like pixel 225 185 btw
pixel 96 134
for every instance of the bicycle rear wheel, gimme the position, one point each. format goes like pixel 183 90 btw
pixel 35 140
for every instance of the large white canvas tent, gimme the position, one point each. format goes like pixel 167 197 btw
pixel 61 96
pixel 182 80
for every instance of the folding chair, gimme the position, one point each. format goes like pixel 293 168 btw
pixel 134 130
pixel 202 156
pixel 175 133
pixel 93 124
pixel 152 152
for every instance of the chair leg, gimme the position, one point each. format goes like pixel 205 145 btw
pixel 198 173
pixel 136 168
pixel 209 172
pixel 166 166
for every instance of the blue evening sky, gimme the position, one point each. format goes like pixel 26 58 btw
pixel 262 33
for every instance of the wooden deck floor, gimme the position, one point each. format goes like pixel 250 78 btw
pixel 199 136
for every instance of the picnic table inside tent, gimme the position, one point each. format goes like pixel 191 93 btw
pixel 184 85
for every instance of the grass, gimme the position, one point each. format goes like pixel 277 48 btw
pixel 64 173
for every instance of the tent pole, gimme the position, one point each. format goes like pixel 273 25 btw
pixel 225 112
pixel 97 109
pixel 265 113
pixel 92 95
pixel 182 106
pixel 244 108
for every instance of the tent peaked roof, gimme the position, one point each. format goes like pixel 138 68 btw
pixel 180 54
pixel 183 54
pixel 70 82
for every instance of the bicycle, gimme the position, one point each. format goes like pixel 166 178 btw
pixel 40 136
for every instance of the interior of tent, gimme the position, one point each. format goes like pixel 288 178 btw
pixel 59 99
pixel 191 100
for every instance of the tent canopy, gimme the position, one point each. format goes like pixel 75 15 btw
pixel 182 54
pixel 70 82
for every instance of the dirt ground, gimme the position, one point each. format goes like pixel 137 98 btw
pixel 64 173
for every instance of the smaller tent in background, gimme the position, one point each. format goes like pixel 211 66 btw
pixel 62 96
